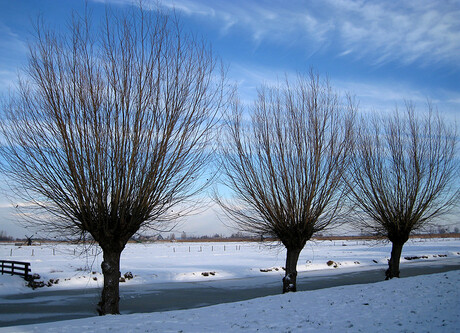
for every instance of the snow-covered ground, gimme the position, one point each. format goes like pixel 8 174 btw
pixel 424 303
pixel 170 262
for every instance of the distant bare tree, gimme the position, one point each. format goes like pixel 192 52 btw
pixel 110 129
pixel 403 175
pixel 285 164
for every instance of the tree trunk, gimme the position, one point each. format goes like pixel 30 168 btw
pixel 393 263
pixel 110 299
pixel 290 279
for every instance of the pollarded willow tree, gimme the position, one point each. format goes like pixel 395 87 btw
pixel 285 163
pixel 109 129
pixel 403 175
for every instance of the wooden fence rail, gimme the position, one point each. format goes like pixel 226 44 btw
pixel 16 268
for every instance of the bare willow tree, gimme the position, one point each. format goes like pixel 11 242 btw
pixel 109 130
pixel 285 164
pixel 403 175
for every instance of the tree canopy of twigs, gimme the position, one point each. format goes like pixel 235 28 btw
pixel 110 128
pixel 403 175
pixel 284 160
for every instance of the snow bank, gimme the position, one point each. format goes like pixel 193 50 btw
pixel 429 303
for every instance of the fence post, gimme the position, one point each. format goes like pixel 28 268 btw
pixel 26 271
pixel 12 268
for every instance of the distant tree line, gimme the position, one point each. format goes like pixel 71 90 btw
pixel 4 236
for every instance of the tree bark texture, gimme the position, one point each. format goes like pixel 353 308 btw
pixel 393 263
pixel 290 279
pixel 110 299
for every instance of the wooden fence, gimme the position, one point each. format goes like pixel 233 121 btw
pixel 16 268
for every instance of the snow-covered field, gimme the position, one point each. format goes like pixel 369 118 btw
pixel 170 262
pixel 424 303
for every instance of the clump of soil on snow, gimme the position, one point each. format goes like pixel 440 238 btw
pixel 127 276
pixel 332 263
pixel 416 257
pixel 266 270
pixel 32 283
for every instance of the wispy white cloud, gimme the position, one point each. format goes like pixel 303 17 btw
pixel 372 95
pixel 11 42
pixel 14 51
pixel 384 96
pixel 8 80
pixel 422 31
pixel 191 7
pixel 263 20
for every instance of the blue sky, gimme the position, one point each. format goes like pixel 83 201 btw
pixel 383 52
